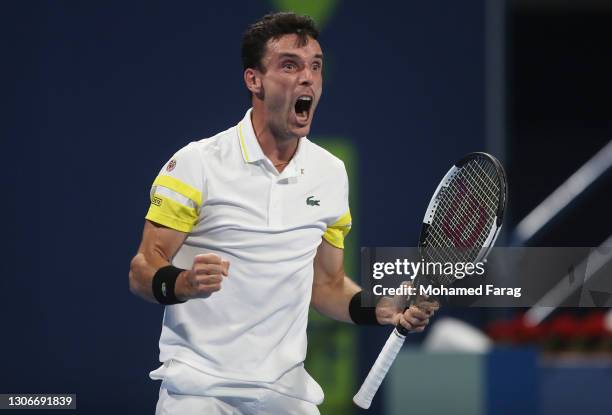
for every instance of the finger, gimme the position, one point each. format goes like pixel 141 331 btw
pixel 422 323
pixel 210 269
pixel 428 312
pixel 209 258
pixel 416 322
pixel 433 306
pixel 415 315
pixel 427 302
pixel 225 267
pixel 404 323
pixel 207 289
pixel 433 303
pixel 209 279
pixel 428 306
pixel 386 311
pixel 385 303
pixel 192 278
pixel 210 287
pixel 416 312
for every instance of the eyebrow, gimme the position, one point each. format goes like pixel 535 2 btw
pixel 295 56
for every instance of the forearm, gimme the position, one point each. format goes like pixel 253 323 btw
pixel 332 299
pixel 158 246
pixel 143 268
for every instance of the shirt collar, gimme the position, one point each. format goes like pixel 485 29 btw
pixel 252 152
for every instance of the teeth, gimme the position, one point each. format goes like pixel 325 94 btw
pixel 302 105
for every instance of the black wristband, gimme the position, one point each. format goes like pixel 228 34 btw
pixel 163 285
pixel 362 315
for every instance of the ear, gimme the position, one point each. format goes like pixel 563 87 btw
pixel 253 81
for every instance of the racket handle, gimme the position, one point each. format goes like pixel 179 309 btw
pixel 364 396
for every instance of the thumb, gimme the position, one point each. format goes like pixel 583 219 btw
pixel 386 311
pixel 225 267
pixel 401 300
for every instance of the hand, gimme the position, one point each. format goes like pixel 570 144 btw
pixel 203 279
pixel 392 310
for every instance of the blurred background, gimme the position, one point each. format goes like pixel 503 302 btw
pixel 101 94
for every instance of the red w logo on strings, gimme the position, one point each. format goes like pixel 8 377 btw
pixel 471 208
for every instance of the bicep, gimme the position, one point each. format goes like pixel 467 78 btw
pixel 328 264
pixel 332 289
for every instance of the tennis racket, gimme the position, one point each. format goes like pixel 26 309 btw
pixel 461 223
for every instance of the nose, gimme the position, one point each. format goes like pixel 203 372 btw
pixel 306 77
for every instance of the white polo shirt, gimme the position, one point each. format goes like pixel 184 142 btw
pixel 230 200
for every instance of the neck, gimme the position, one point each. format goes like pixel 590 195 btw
pixel 278 149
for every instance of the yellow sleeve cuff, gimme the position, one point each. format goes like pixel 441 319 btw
pixel 179 187
pixel 172 214
pixel 336 232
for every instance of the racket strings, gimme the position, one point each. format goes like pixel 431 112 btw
pixel 488 172
pixel 489 191
pixel 464 209
pixel 489 205
pixel 472 192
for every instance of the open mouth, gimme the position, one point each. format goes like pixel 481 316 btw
pixel 302 108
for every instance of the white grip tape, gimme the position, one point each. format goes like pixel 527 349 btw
pixel 364 396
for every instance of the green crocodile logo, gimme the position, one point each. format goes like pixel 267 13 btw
pixel 311 201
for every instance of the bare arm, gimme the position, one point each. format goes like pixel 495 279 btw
pixel 159 244
pixel 332 291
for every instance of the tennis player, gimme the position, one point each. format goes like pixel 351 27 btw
pixel 244 232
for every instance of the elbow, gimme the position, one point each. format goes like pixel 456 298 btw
pixel 135 271
pixel 132 282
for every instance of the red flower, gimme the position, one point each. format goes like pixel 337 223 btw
pixel 592 325
pixel 564 326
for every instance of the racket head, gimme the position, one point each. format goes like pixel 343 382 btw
pixel 465 213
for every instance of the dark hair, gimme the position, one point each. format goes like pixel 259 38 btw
pixel 273 26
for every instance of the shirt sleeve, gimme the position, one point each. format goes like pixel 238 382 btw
pixel 176 193
pixel 337 231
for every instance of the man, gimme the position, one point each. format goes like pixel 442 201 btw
pixel 253 222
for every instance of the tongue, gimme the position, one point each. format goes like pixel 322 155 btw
pixel 302 116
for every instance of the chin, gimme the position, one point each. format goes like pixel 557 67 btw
pixel 302 131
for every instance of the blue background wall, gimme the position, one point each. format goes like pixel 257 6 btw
pixel 100 94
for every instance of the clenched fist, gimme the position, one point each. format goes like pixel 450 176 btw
pixel 414 318
pixel 203 279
